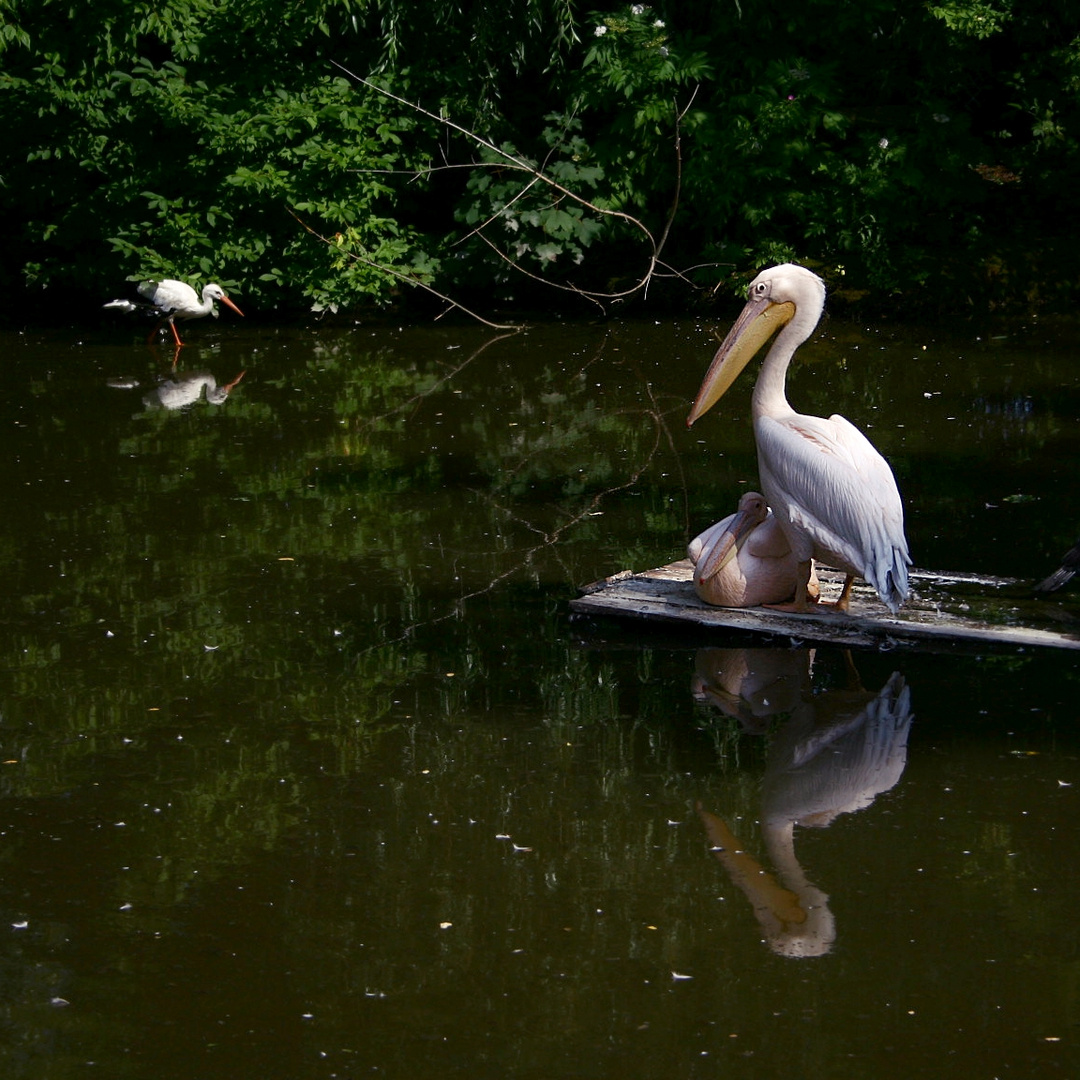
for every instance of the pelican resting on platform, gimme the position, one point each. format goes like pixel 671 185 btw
pixel 833 494
pixel 172 300
pixel 746 559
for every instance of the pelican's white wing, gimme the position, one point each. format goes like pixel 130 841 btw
pixel 826 478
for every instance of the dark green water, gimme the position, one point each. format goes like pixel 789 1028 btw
pixel 307 772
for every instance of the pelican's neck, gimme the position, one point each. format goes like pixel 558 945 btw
pixel 780 841
pixel 769 397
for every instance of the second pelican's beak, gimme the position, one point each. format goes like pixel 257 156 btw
pixel 760 319
pixel 726 546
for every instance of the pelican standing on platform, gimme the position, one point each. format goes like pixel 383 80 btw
pixel 833 494
pixel 746 559
pixel 173 300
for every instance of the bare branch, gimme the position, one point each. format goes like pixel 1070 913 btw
pixel 536 277
pixel 479 228
pixel 407 279
pixel 514 162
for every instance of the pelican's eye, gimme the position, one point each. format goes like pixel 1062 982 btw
pixel 761 288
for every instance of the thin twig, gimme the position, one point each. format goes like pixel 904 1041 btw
pixel 551 284
pixel 407 279
pixel 514 160
pixel 678 173
pixel 520 195
pixel 549 540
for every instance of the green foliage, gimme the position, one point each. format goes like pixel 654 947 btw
pixel 974 18
pixel 880 144
pixel 11 34
pixel 900 150
pixel 538 221
pixel 311 156
pixel 178 173
pixel 635 83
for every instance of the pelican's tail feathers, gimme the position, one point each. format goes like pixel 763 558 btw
pixel 1056 580
pixel 892 585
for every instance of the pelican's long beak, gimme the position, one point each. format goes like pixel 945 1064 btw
pixel 760 319
pixel 725 547
pixel 764 892
pixel 228 303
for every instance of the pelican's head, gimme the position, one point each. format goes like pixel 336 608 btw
pixel 775 297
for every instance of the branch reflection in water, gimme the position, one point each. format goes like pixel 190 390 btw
pixel 833 754
pixel 527 460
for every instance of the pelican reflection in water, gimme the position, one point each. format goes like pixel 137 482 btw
pixel 837 751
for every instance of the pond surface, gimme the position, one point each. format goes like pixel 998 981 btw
pixel 307 772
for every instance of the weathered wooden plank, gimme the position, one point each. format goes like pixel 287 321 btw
pixel 944 609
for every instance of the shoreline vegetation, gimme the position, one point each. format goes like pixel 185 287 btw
pixel 356 156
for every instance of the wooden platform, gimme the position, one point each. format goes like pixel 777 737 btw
pixel 944 610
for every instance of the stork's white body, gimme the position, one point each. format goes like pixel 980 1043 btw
pixel 176 300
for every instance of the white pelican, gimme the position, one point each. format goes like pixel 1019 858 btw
pixel 833 494
pixel 746 559
pixel 172 300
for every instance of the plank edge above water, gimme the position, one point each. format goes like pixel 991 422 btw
pixel 666 595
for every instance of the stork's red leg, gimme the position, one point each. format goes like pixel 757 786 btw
pixel 176 336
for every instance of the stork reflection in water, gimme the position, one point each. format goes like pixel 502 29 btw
pixel 838 750
pixel 186 389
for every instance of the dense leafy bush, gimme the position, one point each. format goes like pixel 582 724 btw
pixel 167 168
pixel 901 148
